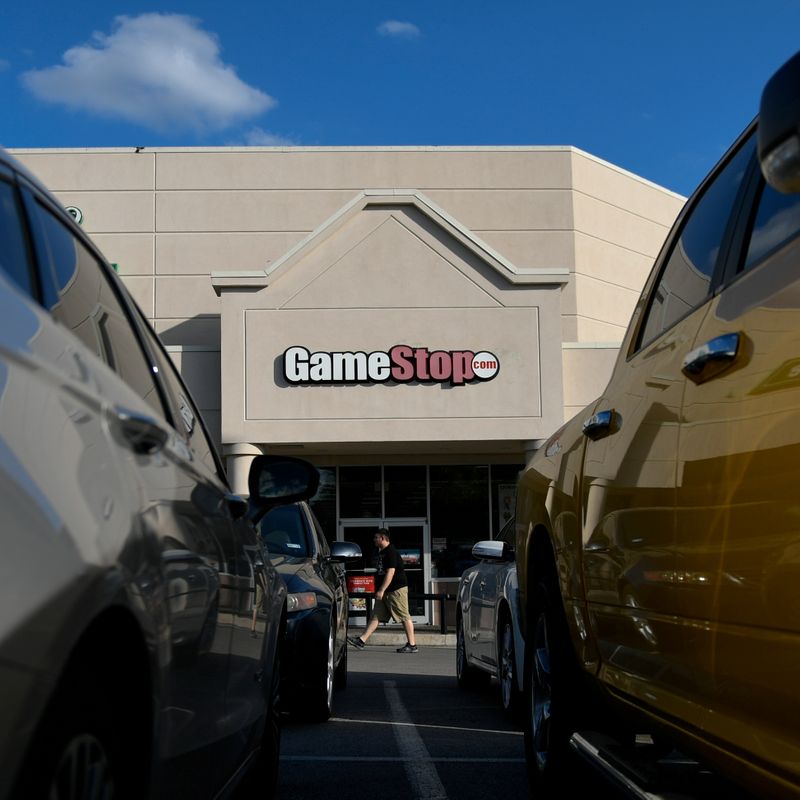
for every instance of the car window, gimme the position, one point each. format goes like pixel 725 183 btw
pixel 79 295
pixel 322 540
pixel 14 257
pixel 686 276
pixel 187 418
pixel 284 533
pixel 507 533
pixel 776 222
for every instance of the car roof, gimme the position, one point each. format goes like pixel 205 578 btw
pixel 17 166
pixel 9 161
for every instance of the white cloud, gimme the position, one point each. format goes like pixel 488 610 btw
pixel 256 137
pixel 400 30
pixel 157 70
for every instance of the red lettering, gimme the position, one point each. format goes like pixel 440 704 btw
pixel 403 368
pixel 462 370
pixel 421 355
pixel 441 366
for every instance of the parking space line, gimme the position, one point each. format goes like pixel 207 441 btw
pixel 432 727
pixel 397 759
pixel 424 779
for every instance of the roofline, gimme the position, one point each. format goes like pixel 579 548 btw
pixel 299 149
pixel 257 278
pixel 289 149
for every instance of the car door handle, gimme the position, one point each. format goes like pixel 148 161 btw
pixel 712 358
pixel 594 547
pixel 144 435
pixel 602 424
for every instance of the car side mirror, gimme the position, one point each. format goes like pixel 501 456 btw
pixel 779 128
pixel 278 481
pixel 345 551
pixel 489 550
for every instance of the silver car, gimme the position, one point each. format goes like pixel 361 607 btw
pixel 140 621
pixel 488 638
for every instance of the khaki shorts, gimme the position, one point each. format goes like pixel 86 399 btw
pixel 394 605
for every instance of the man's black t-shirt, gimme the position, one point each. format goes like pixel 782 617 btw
pixel 385 560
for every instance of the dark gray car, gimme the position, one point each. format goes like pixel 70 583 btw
pixel 315 650
pixel 129 571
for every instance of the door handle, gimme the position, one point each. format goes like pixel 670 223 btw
pixel 712 358
pixel 144 435
pixel 602 424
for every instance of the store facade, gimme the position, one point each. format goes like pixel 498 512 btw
pixel 416 344
pixel 394 340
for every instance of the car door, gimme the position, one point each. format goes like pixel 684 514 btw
pixel 332 574
pixel 739 472
pixel 475 613
pixel 487 586
pixel 182 515
pixel 245 575
pixel 629 483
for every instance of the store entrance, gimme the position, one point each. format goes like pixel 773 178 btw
pixel 411 538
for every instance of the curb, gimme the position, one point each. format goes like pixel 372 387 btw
pixel 391 639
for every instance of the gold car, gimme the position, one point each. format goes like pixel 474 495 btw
pixel 658 533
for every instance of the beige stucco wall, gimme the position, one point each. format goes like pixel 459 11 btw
pixel 620 223
pixel 392 271
pixel 170 217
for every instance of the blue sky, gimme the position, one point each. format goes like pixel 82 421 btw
pixel 657 88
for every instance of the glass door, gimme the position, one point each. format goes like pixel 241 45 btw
pixel 410 537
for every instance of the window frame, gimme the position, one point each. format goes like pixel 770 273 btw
pixel 727 244
pixel 153 341
pixel 30 196
pixel 736 269
pixel 8 176
pixel 315 533
pixel 507 533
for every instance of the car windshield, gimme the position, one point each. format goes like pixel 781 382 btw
pixel 284 533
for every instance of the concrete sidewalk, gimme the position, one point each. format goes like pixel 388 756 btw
pixel 395 636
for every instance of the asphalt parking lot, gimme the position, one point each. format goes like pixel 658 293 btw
pixel 403 729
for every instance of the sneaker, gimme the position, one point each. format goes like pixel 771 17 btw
pixel 357 642
pixel 408 648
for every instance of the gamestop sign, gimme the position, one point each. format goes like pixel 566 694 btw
pixel 401 364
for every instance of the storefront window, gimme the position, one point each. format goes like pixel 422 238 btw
pixel 323 503
pixel 405 491
pixel 504 494
pixel 360 492
pixel 467 503
pixel 459 516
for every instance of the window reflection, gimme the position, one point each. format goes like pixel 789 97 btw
pixel 80 297
pixel 323 504
pixel 777 221
pixel 13 250
pixel 686 276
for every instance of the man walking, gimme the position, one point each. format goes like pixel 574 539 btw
pixel 391 599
